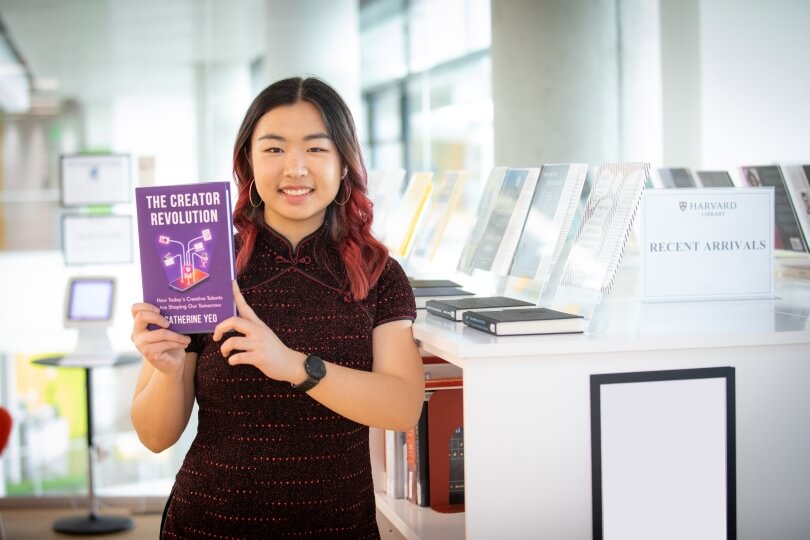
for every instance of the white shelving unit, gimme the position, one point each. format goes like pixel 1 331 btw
pixel 413 521
pixel 527 412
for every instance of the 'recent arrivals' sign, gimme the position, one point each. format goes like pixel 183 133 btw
pixel 707 244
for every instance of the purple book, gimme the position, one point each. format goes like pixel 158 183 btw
pixel 187 260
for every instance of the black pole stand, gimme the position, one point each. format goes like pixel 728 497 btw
pixel 94 523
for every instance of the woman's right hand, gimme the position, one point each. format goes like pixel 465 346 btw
pixel 161 347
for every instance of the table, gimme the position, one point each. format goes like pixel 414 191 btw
pixel 527 411
pixel 94 522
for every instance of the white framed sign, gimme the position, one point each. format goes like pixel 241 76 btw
pixel 663 454
pixel 707 244
pixel 94 179
pixel 96 239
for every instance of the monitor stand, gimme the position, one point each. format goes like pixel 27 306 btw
pixel 93 348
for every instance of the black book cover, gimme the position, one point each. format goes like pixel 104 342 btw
pixel 431 283
pixel 524 321
pixel 453 308
pixel 439 291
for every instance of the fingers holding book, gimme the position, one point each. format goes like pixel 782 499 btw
pixel 160 346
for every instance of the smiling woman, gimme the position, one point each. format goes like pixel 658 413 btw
pixel 321 349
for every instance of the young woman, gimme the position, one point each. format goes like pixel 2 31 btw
pixel 321 348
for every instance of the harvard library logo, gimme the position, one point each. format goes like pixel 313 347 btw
pixel 708 208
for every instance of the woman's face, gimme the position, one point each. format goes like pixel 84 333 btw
pixel 296 167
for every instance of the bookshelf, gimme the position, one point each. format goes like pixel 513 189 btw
pixel 418 523
pixel 527 407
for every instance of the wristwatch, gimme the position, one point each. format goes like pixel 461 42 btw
pixel 315 369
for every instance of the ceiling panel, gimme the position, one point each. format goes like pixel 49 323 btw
pixel 96 48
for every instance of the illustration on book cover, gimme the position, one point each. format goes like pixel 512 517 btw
pixel 186 241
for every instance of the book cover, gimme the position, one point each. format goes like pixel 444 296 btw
pixel 423 294
pixel 606 224
pixel 454 309
pixel 417 283
pixel 798 187
pixel 510 322
pixel 409 212
pixel 550 216
pixel 185 234
pixel 486 202
pixel 447 192
pixel 674 177
pixel 711 179
pixel 445 443
pixel 384 190
pixel 502 230
pixel 787 232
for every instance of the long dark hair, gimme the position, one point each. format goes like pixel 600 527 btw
pixel 349 224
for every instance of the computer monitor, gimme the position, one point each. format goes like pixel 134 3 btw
pixel 89 303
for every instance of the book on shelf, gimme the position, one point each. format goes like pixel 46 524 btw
pixel 423 294
pixel 711 179
pixel 486 202
pixel 384 190
pixel 797 272
pixel 447 192
pixel 186 253
pixel 526 321
pixel 547 225
pixel 445 443
pixel 505 222
pixel 406 217
pixel 673 177
pixel 453 309
pixel 423 283
pixel 787 231
pixel 797 180
pixel 396 466
pixel 417 457
pixel 605 226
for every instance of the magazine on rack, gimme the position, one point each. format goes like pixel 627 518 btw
pixel 606 224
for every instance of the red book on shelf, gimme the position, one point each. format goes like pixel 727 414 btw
pixel 446 450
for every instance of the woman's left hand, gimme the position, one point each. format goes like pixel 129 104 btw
pixel 258 345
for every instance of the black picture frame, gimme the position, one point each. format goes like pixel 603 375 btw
pixel 599 381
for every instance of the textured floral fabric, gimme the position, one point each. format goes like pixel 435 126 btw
pixel 268 461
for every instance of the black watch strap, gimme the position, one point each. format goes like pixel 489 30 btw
pixel 316 369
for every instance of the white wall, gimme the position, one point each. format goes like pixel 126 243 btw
pixel 316 38
pixel 554 81
pixel 755 81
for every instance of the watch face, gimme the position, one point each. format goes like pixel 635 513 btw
pixel 315 367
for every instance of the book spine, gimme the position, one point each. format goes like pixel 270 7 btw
pixel 478 323
pixel 395 464
pixel 422 463
pixel 446 313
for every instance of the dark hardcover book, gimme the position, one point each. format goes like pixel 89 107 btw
pixel 676 177
pixel 509 322
pixel 715 178
pixel 431 283
pixel 787 231
pixel 423 294
pixel 187 258
pixel 454 309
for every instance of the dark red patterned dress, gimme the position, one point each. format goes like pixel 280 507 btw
pixel 268 461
